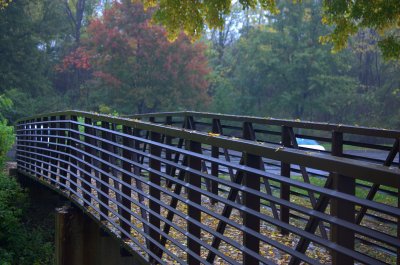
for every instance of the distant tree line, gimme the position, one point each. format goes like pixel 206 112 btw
pixel 268 60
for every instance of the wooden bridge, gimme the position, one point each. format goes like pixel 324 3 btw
pixel 203 188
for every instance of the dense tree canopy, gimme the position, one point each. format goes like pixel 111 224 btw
pixel 131 63
pixel 347 17
pixel 267 60
pixel 279 68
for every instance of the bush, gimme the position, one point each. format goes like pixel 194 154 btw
pixel 20 242
pixel 6 140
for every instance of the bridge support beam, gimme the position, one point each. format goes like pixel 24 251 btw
pixel 80 241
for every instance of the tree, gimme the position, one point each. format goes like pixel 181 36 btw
pixel 281 70
pixel 346 16
pixel 191 16
pixel 33 36
pixel 134 68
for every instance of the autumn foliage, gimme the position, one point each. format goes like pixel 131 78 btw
pixel 135 68
pixel 77 59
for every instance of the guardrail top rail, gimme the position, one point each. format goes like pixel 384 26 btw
pixel 186 196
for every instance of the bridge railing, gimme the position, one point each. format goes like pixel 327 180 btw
pixel 374 145
pixel 180 195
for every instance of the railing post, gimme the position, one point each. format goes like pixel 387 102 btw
pixel 53 146
pixel 73 183
pixel 154 178
pixel 215 166
pixel 88 161
pixel 37 144
pixel 285 172
pixel 194 197
pixel 31 149
pixel 104 167
pixel 114 161
pixel 168 153
pixel 189 123
pixel 45 144
pixel 135 156
pixel 342 209
pixel 136 171
pixel 63 151
pixel 127 180
pixel 251 201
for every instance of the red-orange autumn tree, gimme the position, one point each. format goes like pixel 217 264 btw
pixel 134 68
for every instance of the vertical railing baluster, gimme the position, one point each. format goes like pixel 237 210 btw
pixel 32 146
pixel 114 161
pixel 154 178
pixel 63 172
pixel 168 153
pixel 194 197
pixel 137 171
pixel 26 149
pixel 53 146
pixel 135 156
pixel 127 181
pixel 27 145
pixel 73 127
pixel 104 167
pixel 88 161
pixel 96 161
pixel 45 145
pixel 251 201
pixel 285 172
pixel 37 144
pixel 215 154
pixel 347 185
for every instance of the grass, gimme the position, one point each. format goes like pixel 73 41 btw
pixel 361 192
pixel 346 147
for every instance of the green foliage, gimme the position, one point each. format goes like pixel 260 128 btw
pixel 21 65
pixel 280 69
pixel 191 16
pixel 19 243
pixel 6 140
pixel 347 17
pixel 30 35
pixel 12 201
pixel 6 132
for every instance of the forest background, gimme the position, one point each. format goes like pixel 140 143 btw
pixel 108 56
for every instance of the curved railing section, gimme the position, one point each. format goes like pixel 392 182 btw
pixel 190 197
